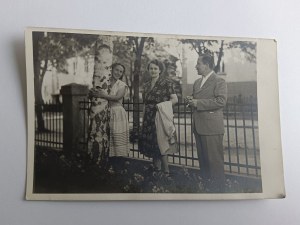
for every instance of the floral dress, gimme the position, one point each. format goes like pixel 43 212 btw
pixel 98 141
pixel 161 92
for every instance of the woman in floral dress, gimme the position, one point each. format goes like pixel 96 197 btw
pixel 157 90
pixel 119 128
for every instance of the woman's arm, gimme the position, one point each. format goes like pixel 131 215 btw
pixel 101 94
pixel 119 95
pixel 173 99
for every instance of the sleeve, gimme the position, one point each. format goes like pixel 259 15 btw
pixel 127 94
pixel 219 99
pixel 171 88
pixel 144 91
pixel 121 86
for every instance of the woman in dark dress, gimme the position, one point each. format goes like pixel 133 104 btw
pixel 157 90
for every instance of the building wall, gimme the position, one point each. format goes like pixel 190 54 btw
pixel 79 70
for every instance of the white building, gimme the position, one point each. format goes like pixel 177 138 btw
pixel 79 70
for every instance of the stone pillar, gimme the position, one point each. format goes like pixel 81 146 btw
pixel 73 117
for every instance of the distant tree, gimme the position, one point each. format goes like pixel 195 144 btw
pixel 52 50
pixel 123 53
pixel 247 47
pixel 137 44
pixel 208 46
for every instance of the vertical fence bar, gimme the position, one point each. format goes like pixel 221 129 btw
pixel 35 127
pixel 57 139
pixel 228 138
pixel 55 124
pixel 245 138
pixel 52 124
pixel 236 137
pixel 131 111
pixel 133 143
pixel 179 136
pixel 47 125
pixel 128 117
pixel 177 108
pixel 59 119
pixel 42 137
pixel 192 138
pixel 59 124
pixel 89 105
pixel 253 135
pixel 185 144
pixel 49 144
pixel 176 116
pixel 50 121
pixel 138 152
pixel 82 106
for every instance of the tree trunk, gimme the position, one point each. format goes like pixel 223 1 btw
pixel 136 89
pixel 36 38
pixel 98 143
pixel 136 108
pixel 218 65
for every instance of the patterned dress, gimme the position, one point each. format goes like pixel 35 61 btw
pixel 161 92
pixel 98 141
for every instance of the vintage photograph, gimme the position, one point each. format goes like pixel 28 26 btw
pixel 128 115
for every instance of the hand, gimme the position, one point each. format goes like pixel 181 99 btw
pixel 191 102
pixel 98 93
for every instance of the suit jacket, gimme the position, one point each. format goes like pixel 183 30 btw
pixel 211 99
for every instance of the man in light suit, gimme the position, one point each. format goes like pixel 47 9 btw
pixel 208 100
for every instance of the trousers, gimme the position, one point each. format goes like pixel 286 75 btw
pixel 211 159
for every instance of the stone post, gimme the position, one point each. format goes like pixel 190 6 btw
pixel 73 117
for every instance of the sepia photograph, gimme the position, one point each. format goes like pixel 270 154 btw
pixel 134 116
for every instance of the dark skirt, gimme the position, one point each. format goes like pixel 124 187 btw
pixel 148 145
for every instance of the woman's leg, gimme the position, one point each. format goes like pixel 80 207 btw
pixel 165 164
pixel 157 163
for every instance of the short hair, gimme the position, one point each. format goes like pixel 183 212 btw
pixel 208 59
pixel 169 63
pixel 157 63
pixel 118 64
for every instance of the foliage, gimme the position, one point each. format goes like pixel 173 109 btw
pixel 246 47
pixel 217 48
pixel 58 173
pixel 201 46
pixel 55 48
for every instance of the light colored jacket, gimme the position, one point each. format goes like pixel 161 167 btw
pixel 165 129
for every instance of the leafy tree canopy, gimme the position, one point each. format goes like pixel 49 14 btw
pixel 56 48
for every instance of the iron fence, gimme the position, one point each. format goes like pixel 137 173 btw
pixel 49 131
pixel 241 141
pixel 241 151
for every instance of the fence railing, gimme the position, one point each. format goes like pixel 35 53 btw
pixel 241 142
pixel 50 134
pixel 241 152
